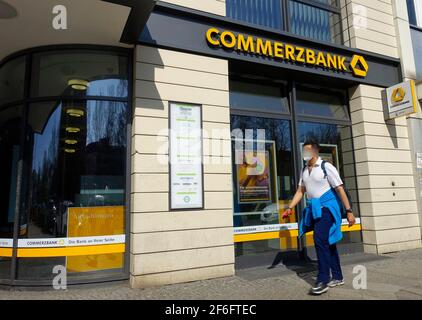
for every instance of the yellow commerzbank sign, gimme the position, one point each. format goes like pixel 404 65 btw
pixel 287 52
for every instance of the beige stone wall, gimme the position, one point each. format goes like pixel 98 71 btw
pixel 369 25
pixel 169 246
pixel 384 167
pixel 211 6
pixel 179 246
pixel 387 195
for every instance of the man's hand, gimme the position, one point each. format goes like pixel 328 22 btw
pixel 351 219
pixel 287 213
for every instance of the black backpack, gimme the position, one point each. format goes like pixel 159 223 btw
pixel 349 197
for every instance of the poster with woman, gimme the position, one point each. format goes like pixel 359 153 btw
pixel 254 177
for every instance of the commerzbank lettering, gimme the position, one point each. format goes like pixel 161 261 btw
pixel 288 52
pixel 52 242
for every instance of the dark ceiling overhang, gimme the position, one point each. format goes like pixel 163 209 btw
pixel 138 17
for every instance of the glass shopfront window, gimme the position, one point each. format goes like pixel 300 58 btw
pixel 416 35
pixel 265 175
pixel 97 73
pixel 10 129
pixel 315 23
pixel 249 96
pixel 72 163
pixel 12 78
pixel 311 102
pixel 336 148
pixel 76 181
pixel 267 13
pixel 263 180
pixel 315 19
pixel 414 10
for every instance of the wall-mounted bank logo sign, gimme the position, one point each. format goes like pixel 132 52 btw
pixel 399 100
pixel 398 95
pixel 276 50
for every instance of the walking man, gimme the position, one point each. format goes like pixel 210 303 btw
pixel 323 187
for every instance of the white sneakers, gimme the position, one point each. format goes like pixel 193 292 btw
pixel 334 283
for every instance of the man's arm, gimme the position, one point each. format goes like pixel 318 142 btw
pixel 343 197
pixel 296 199
pixel 336 182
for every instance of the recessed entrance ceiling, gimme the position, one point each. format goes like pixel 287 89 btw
pixel 29 24
pixel 7 11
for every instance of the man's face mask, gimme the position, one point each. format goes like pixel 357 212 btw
pixel 307 155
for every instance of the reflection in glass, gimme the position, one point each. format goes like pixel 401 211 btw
pixel 76 73
pixel 311 103
pixel 260 209
pixel 333 3
pixel 12 78
pixel 252 96
pixel 260 12
pixel 411 12
pixel 417 51
pixel 314 23
pixel 10 126
pixel 76 187
pixel 336 147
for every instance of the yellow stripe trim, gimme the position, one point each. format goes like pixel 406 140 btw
pixel 70 251
pixel 283 234
pixel 414 98
pixel 265 235
pixel 5 252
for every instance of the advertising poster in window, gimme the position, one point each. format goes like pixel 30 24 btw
pixel 101 228
pixel 186 185
pixel 329 152
pixel 254 177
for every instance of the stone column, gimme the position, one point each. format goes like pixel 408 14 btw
pixel 180 246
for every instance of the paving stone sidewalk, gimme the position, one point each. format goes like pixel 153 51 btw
pixel 391 276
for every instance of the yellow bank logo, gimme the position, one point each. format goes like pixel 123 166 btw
pixel 398 95
pixel 287 52
pixel 359 66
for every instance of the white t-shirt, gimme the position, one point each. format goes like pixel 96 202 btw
pixel 315 183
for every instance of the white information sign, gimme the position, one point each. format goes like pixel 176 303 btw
pixel 186 183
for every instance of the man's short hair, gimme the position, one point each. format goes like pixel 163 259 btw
pixel 313 143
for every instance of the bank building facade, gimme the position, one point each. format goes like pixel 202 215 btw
pixel 159 142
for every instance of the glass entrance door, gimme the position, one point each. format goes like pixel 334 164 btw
pixel 336 148
pixel 263 184
pixel 263 169
pixel 269 124
pixel 323 116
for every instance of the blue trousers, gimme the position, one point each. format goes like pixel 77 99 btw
pixel 328 259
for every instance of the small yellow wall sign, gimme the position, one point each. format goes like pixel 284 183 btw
pixel 399 100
